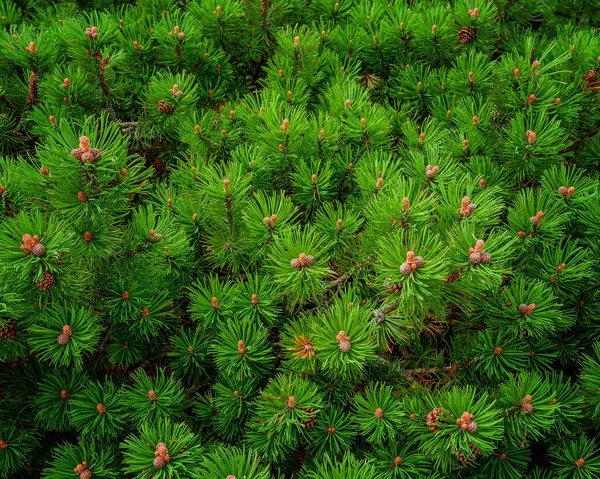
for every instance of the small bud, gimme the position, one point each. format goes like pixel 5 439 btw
pixel 44 171
pixel 285 126
pixel 531 99
pixel 378 413
pixel 433 29
pixel 531 137
pixel 82 197
pixel 197 128
pixel 348 103
pixel 471 77
pixel 517 72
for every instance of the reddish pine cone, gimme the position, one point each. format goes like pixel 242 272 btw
pixel 86 474
pixel 159 462
pixel 63 338
pixel 405 269
pixel 485 257
pixel 345 345
pixel 475 258
pixel 472 427
pixel 466 35
pixel 419 261
pixel 38 249
pixel 87 157
pixel 527 408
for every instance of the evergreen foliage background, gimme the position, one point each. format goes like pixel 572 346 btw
pixel 299 239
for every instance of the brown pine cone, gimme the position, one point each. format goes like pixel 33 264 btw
pixel 466 35
pixel 47 281
pixel 9 331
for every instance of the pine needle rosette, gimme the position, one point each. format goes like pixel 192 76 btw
pixel 150 399
pixel 62 335
pixel 242 349
pixel 378 414
pixel 98 410
pixel 343 340
pixel 161 451
pixel 414 260
pixel 299 264
pixel 88 459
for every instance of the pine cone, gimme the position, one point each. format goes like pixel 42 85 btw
pixel 345 345
pixel 527 408
pixel 47 281
pixel 163 107
pixel 38 249
pixel 77 153
pixel 63 338
pixel 10 330
pixel 475 258
pixel 472 427
pixel 405 269
pixel 87 474
pixel 88 157
pixel 466 35
pixel 485 257
pixel 159 462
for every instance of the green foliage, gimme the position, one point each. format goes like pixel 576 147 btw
pixel 299 239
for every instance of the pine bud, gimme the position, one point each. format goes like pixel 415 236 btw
pixel 152 396
pixel 214 303
pixel 531 99
pixel 348 103
pixel 471 77
pixel 531 137
pixel 537 218
pixel 497 350
pixel 87 237
pixel 378 413
pixel 405 204
pixel 291 402
pixel 579 462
